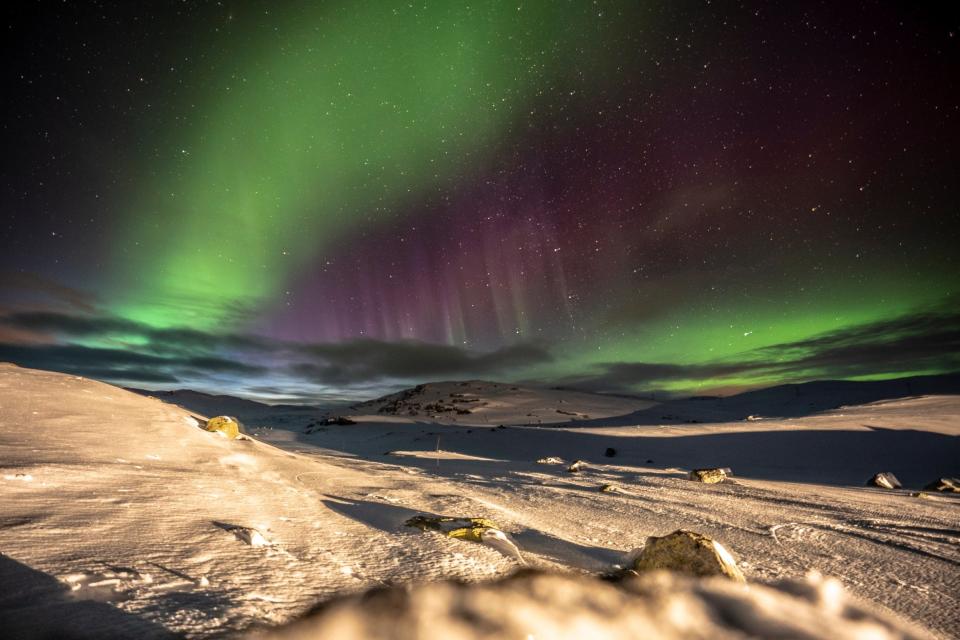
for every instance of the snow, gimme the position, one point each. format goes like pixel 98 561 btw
pixel 119 515
pixel 560 607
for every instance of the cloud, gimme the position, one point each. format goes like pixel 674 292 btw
pixel 107 364
pixel 122 364
pixel 175 340
pixel 34 288
pixel 78 326
pixel 128 350
pixel 122 350
pixel 928 340
pixel 368 360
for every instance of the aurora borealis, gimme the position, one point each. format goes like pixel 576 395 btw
pixel 303 200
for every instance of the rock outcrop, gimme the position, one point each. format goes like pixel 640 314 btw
pixel 687 552
pixel 709 476
pixel 945 485
pixel 885 480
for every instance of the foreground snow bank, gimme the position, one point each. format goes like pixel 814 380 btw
pixel 661 605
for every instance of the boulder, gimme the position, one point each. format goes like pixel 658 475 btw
pixel 687 552
pixel 885 480
pixel 709 476
pixel 550 460
pixel 610 488
pixel 577 466
pixel 946 485
pixel 226 426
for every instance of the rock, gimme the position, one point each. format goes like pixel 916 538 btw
pixel 577 466
pixel 946 485
pixel 472 529
pixel 462 528
pixel 610 488
pixel 885 480
pixel 247 535
pixel 342 421
pixel 225 426
pixel 550 460
pixel 610 452
pixel 709 476
pixel 687 552
pixel 562 606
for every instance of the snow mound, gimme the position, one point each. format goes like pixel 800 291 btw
pixel 662 605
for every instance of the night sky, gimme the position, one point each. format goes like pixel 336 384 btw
pixel 319 200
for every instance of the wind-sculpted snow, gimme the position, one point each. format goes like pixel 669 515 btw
pixel 662 606
pixel 120 515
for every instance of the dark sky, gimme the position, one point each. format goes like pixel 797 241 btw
pixel 312 200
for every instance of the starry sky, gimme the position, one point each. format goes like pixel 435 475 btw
pixel 307 201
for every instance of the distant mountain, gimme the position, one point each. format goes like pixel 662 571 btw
pixel 486 402
pixel 249 412
pixel 791 400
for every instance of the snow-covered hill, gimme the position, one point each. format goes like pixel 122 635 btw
pixel 119 515
pixel 250 412
pixel 483 402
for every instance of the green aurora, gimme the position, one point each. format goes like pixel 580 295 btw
pixel 612 195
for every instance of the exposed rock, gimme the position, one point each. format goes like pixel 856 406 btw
pixel 463 528
pixel 946 485
pixel 247 535
pixel 885 480
pixel 709 476
pixel 687 552
pixel 610 488
pixel 665 606
pixel 610 452
pixel 342 421
pixel 226 426
pixel 577 466
pixel 473 529
pixel 550 460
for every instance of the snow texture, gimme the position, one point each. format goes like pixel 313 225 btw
pixel 120 516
